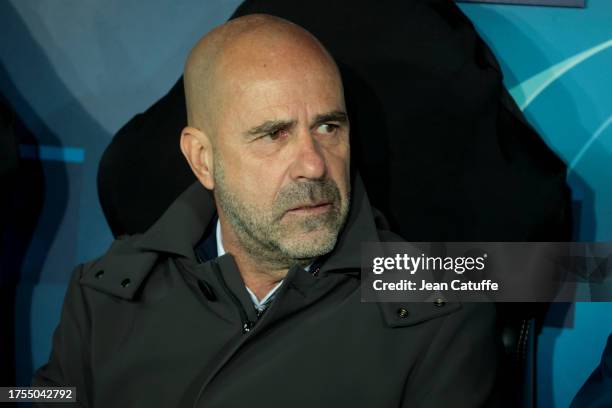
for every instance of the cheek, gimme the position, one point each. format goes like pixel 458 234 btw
pixel 258 181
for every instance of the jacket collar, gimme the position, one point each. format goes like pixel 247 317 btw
pixel 183 224
pixel 129 261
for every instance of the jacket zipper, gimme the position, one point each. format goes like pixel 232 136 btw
pixel 247 325
pixel 317 264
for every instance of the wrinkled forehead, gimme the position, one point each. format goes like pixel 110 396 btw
pixel 262 68
pixel 288 81
pixel 245 53
pixel 293 95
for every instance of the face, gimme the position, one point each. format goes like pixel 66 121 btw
pixel 281 162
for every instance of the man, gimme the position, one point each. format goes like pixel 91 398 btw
pixel 253 299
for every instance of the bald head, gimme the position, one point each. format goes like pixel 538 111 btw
pixel 268 133
pixel 243 50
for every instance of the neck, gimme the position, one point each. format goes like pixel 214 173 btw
pixel 260 275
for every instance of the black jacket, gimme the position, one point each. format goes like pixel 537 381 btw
pixel 146 325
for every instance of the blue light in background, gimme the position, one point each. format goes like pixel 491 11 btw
pixel 52 153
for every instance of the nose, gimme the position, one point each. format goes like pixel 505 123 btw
pixel 309 162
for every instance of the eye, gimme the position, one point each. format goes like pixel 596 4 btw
pixel 327 128
pixel 275 135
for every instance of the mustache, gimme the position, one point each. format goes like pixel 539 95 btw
pixel 306 193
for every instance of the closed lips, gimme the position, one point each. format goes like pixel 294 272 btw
pixel 309 206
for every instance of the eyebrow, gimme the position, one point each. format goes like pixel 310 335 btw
pixel 270 126
pixel 334 116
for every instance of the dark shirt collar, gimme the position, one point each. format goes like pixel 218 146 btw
pixel 206 249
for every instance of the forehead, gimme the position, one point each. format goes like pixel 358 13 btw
pixel 300 90
pixel 264 92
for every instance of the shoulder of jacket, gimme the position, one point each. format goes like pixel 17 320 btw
pixel 122 270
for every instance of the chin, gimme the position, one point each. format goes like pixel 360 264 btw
pixel 310 244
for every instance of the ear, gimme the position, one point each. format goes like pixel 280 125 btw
pixel 197 149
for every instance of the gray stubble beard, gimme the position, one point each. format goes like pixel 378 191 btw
pixel 261 233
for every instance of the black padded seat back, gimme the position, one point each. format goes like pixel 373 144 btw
pixel 442 148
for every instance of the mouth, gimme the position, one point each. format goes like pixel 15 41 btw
pixel 310 209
